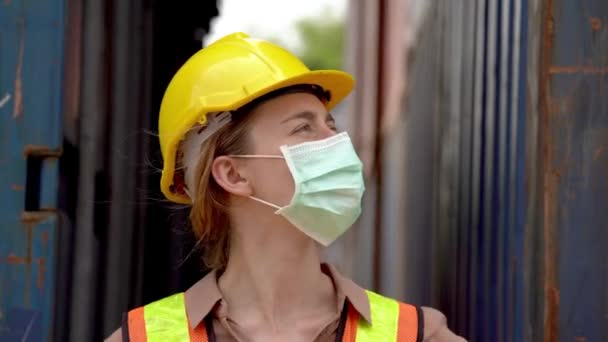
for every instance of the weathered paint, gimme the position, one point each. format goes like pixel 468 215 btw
pixel 32 38
pixel 574 132
pixel 464 176
pixel 549 180
pixel 506 177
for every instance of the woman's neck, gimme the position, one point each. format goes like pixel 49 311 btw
pixel 274 277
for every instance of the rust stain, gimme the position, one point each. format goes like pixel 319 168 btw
pixel 12 259
pixel 552 305
pixel 596 23
pixel 44 236
pixel 576 69
pixel 30 220
pixel 597 153
pixel 580 339
pixel 550 179
pixel 18 106
pixel 41 151
pixel 28 264
pixel 17 187
pixel 556 174
pixel 7 2
pixel 41 270
pixel 35 217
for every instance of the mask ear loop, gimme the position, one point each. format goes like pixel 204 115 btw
pixel 265 202
pixel 253 156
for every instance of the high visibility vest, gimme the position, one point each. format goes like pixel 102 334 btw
pixel 166 321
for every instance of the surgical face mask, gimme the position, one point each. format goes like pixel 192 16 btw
pixel 328 177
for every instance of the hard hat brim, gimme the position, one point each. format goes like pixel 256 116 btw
pixel 338 83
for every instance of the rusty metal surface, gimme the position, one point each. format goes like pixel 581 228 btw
pixel 497 170
pixel 549 185
pixel 464 167
pixel 574 130
pixel 31 40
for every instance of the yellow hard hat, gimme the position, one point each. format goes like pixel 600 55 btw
pixel 224 76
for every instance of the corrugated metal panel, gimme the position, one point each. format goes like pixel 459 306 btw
pixel 497 170
pixel 460 121
pixel 453 170
pixel 31 69
pixel 129 242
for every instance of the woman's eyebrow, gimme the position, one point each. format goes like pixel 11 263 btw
pixel 308 115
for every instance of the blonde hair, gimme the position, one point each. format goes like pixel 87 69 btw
pixel 208 215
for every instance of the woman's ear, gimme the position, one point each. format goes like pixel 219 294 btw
pixel 225 171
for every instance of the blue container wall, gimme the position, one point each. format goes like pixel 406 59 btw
pixel 31 66
pixel 506 169
pixel 465 137
pixel 70 267
pixel 575 148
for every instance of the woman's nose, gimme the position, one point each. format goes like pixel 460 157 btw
pixel 326 131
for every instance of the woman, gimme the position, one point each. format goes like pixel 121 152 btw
pixel 247 140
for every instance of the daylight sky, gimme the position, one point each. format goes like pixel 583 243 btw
pixel 268 17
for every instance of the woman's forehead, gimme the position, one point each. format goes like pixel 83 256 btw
pixel 279 108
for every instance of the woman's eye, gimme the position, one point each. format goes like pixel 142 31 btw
pixel 303 128
pixel 331 123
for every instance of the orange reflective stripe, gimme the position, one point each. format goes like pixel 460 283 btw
pixel 198 334
pixel 408 323
pixel 350 329
pixel 164 320
pixel 137 326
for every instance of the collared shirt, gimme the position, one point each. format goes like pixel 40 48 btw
pixel 205 298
